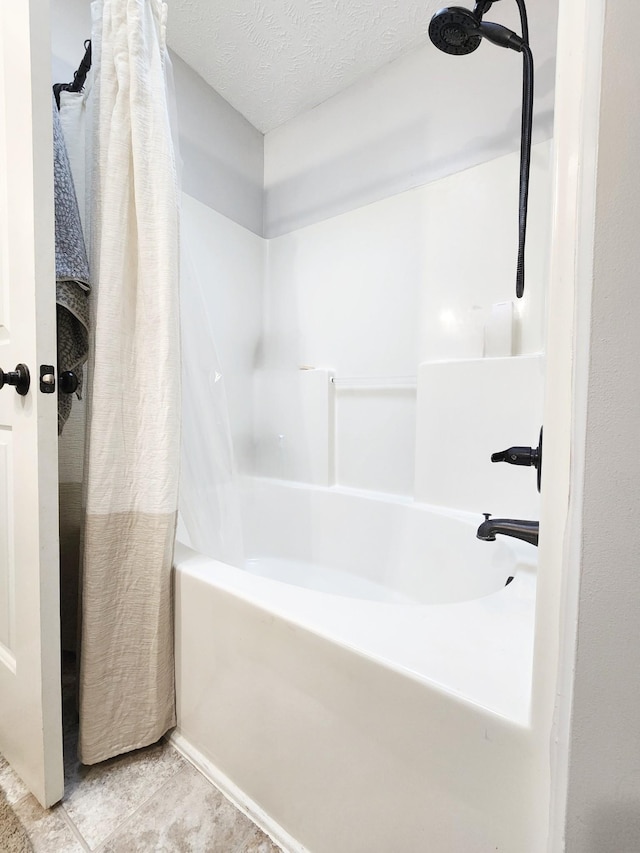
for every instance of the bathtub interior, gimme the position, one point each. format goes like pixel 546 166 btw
pixel 392 580
pixel 372 547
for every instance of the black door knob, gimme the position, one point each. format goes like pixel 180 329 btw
pixel 68 382
pixel 19 378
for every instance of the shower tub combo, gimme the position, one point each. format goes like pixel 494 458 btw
pixel 364 682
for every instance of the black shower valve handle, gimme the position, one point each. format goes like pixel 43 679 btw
pixel 527 456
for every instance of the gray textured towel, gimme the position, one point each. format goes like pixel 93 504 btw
pixel 72 273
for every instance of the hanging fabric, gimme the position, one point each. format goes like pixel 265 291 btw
pixel 72 275
pixel 73 114
pixel 71 119
pixel 133 433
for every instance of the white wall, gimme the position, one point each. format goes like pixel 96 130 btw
pixel 415 274
pixel 376 292
pixel 420 118
pixel 603 797
pixel 222 154
pixel 70 27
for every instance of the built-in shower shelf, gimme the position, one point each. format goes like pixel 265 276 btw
pixel 382 383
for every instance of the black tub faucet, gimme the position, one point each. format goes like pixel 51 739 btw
pixel 491 527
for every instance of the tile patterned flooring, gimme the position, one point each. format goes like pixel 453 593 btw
pixel 150 800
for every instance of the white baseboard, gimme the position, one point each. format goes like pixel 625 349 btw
pixel 239 799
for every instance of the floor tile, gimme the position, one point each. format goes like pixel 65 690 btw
pixel 46 828
pixel 188 815
pixel 101 797
pixel 12 785
pixel 257 842
pixel 149 800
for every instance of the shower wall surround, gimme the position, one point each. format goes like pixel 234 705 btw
pixel 391 213
pixel 229 262
pixel 372 294
pixel 378 291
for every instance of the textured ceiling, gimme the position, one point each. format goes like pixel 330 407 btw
pixel 273 59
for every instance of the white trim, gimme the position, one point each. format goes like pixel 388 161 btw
pixel 7 658
pixel 235 796
pixel 577 128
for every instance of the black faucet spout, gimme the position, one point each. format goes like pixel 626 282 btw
pixel 527 531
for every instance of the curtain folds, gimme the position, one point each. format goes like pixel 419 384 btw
pixel 126 693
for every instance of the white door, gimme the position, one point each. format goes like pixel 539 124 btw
pixel 30 700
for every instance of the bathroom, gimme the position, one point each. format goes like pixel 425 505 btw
pixel 355 669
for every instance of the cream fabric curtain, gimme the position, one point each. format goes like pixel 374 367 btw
pixel 133 407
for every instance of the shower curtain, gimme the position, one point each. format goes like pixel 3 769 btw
pixel 126 684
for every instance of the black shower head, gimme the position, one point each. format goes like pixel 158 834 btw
pixel 459 31
pixel 455 30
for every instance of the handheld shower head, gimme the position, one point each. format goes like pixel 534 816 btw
pixel 459 31
pixel 455 30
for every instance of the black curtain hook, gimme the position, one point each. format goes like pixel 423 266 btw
pixel 79 77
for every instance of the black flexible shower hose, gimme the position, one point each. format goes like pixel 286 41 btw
pixel 525 164
pixel 526 136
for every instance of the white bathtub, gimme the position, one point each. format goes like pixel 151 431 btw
pixel 379 699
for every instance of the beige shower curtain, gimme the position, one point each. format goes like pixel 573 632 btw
pixel 133 435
